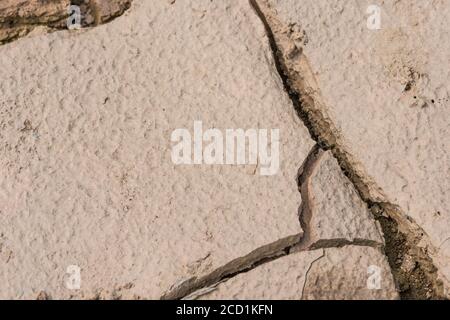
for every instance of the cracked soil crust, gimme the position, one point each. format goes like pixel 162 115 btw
pixel 401 235
pixel 119 184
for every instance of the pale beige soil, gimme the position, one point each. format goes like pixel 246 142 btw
pixel 86 118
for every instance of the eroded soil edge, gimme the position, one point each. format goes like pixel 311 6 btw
pixel 20 18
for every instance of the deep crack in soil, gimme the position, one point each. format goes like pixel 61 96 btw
pixel 402 235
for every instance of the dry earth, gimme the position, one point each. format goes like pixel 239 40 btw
pixel 357 209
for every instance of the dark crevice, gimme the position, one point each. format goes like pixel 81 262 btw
pixel 340 243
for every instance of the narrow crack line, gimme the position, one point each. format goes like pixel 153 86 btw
pixel 307 272
pixel 442 243
pixel 198 287
pixel 401 233
pixel 255 258
pixel 309 164
pixel 320 245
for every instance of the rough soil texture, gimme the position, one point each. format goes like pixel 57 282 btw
pixel 86 118
pixel 88 178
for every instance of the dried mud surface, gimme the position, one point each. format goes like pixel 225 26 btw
pixel 86 118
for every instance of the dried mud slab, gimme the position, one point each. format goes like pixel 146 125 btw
pixel 332 211
pixel 379 99
pixel 335 273
pixel 350 273
pixel 20 17
pixel 87 177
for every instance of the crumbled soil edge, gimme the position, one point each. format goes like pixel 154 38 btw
pixel 419 279
pixel 91 16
